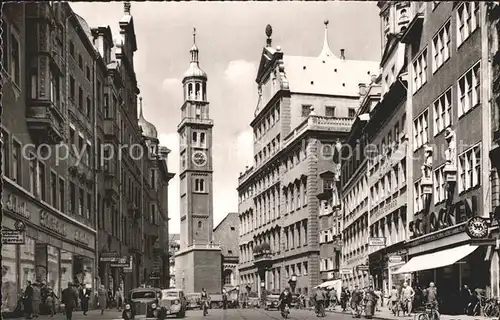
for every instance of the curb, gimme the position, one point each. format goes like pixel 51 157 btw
pixel 379 317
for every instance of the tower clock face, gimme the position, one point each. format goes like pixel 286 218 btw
pixel 199 158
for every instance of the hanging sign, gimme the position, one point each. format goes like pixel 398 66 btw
pixel 477 227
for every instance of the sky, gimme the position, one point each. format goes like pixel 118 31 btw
pixel 230 37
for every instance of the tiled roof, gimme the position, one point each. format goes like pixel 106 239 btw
pixel 327 75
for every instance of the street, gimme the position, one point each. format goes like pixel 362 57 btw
pixel 230 314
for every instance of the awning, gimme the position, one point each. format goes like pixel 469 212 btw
pixel 330 284
pixel 437 259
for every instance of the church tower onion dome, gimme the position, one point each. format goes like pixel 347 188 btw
pixel 148 129
pixel 194 70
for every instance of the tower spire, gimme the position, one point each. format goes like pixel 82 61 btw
pixel 326 51
pixel 126 7
pixel 194 49
pixel 140 108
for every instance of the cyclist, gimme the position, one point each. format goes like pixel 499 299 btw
pixel 204 300
pixel 407 295
pixel 285 300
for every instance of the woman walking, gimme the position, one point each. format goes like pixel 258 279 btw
pixel 103 298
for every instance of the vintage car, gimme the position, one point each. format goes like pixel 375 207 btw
pixel 253 300
pixel 272 301
pixel 232 299
pixel 173 302
pixel 144 302
pixel 193 301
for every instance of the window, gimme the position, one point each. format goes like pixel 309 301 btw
pixel 16 162
pixel 32 173
pixel 80 99
pixel 439 185
pixel 306 110
pixel 200 224
pixel 81 199
pixel 53 189
pixel 420 71
pixel 469 169
pixel 72 88
pixel 419 196
pixel 72 49
pixel 152 213
pixel 72 194
pixel 442 112
pixel 89 107
pixel 351 112
pixel 468 90
pixel 305 268
pixel 40 180
pixel 80 61
pixel 62 191
pixel 441 47
pixel 420 125
pixel 88 72
pixel 467 20
pixel 199 185
pixel 15 57
pixel 152 182
pixel 202 140
pixel 89 205
pixel 330 111
pixel 195 138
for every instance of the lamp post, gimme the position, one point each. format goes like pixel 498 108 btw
pixel 293 282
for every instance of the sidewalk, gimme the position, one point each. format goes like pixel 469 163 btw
pixel 386 314
pixel 78 315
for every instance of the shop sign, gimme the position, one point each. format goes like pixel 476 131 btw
pixel 109 256
pixel 455 214
pixel 13 237
pixel 378 242
pixel 52 223
pixel 477 228
pixel 400 201
pixel 122 262
pixel 82 237
pixel 395 259
pixel 346 271
pixel 363 268
pixel 15 205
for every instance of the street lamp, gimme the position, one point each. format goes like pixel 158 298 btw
pixel 293 282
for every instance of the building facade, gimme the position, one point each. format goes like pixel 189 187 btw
pixel 62 101
pixel 305 105
pixel 198 259
pixel 387 169
pixel 174 244
pixel 448 107
pixel 226 234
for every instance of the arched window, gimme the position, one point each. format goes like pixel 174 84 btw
pixel 200 224
pixel 202 139
pixel 195 138
pixel 197 91
pixel 204 92
pixel 228 276
pixel 190 90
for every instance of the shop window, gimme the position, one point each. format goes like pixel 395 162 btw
pixel 66 268
pixel 27 262
pixel 9 279
pixel 53 268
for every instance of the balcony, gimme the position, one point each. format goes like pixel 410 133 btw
pixel 111 186
pixel 111 130
pixel 134 212
pixel 45 122
pixel 202 122
pixel 262 256
pixel 80 170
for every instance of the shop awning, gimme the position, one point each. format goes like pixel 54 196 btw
pixel 330 284
pixel 437 259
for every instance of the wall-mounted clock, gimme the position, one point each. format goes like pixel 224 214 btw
pixel 199 158
pixel 477 228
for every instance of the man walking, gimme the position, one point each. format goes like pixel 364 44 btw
pixel 28 300
pixel 36 300
pixel 320 302
pixel 85 297
pixel 69 298
pixel 407 294
pixel 224 299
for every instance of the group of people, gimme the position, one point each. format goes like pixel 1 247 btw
pixel 36 295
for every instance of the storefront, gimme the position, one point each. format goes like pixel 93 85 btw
pixel 383 264
pixel 56 249
pixel 447 259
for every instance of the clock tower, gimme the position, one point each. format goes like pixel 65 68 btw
pixel 198 259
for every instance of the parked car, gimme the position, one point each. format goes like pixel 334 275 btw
pixel 253 300
pixel 272 301
pixel 173 302
pixel 193 301
pixel 144 302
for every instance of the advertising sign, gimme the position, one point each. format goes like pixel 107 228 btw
pixel 109 257
pixel 13 237
pixel 346 271
pixel 395 259
pixel 122 262
pixel 379 242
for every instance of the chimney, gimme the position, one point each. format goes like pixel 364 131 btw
pixel 362 89
pixel 342 54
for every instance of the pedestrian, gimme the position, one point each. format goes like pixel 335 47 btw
pixel 407 295
pixel 51 301
pixel 28 300
pixel 380 299
pixel 119 298
pixel 85 294
pixel 393 301
pixel 333 299
pixel 69 298
pixel 371 302
pixel 356 299
pixel 36 300
pixel 224 299
pixel 466 296
pixel 320 302
pixel 102 298
pixel 432 297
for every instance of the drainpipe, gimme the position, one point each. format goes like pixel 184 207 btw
pixel 142 211
pixel 96 163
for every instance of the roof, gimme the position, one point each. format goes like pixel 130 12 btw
pixel 174 237
pixel 225 218
pixel 327 75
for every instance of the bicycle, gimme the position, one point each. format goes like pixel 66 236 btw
pixel 430 313
pixel 205 308
pixel 491 308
